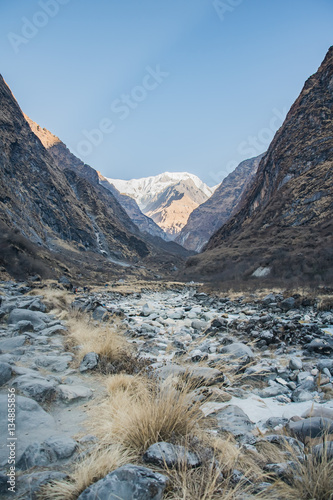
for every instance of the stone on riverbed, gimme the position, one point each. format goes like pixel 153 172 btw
pixel 310 428
pixel 89 362
pixel 170 455
pixel 128 482
pixel 234 420
pixel 5 373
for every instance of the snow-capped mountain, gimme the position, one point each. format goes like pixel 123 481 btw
pixel 168 198
pixel 146 189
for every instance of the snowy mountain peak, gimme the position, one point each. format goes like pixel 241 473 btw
pixel 144 190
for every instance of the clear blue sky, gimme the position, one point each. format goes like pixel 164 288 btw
pixel 226 76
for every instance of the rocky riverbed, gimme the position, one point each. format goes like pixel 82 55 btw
pixel 260 367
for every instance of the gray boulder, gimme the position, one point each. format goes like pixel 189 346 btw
pixel 295 364
pixel 238 351
pixel 52 450
pixel 320 346
pixel 37 387
pixel 8 345
pixel 272 390
pixel 54 363
pixel 3 484
pixel 5 373
pixel 38 319
pixel 129 482
pixel 71 393
pixel 198 324
pixel 37 305
pixel 52 330
pixel 301 395
pixel 310 427
pixel 89 362
pixel 100 313
pixel 271 297
pixel 234 420
pixel 24 326
pixel 287 304
pixel 63 446
pixel 284 441
pixel 170 455
pixel 32 423
pixel 325 363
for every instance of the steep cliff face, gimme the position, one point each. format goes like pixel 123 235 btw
pixel 285 220
pixel 211 215
pixel 35 196
pixel 51 204
pixel 103 194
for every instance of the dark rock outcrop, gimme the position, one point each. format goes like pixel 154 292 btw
pixel 284 223
pixel 211 215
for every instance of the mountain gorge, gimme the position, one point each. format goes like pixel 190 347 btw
pixel 211 215
pixel 283 228
pixel 168 198
pixel 53 208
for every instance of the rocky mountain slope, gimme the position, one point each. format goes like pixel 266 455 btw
pixel 171 208
pixel 167 198
pixel 211 215
pixel 284 224
pixel 53 212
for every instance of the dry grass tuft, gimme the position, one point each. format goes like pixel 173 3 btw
pixel 150 413
pixel 311 479
pixel 213 480
pixel 123 382
pixel 116 354
pixel 57 301
pixel 325 303
pixel 95 466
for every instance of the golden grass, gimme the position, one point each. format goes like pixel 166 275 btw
pixel 123 382
pixel 139 418
pixel 213 479
pixel 57 301
pixel 91 336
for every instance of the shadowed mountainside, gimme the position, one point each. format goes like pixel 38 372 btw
pixel 284 222
pixel 55 205
pixel 211 215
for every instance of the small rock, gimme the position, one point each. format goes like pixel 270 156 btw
pixel 238 350
pixel 233 419
pixel 310 427
pixel 198 324
pixel 170 455
pixel 71 393
pixel 38 387
pixel 287 304
pixel 295 364
pixel 5 373
pixel 89 362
